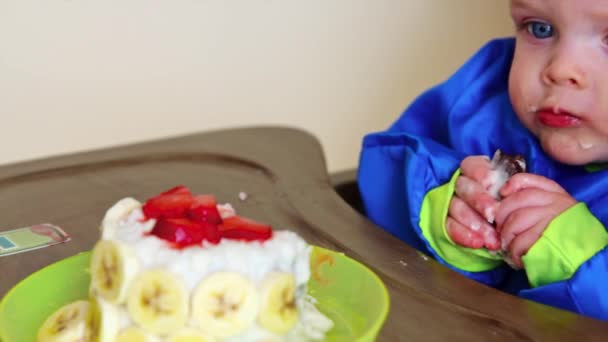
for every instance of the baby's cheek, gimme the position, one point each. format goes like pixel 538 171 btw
pixel 597 142
pixel 524 97
pixel 602 156
pixel 558 146
pixel 526 113
pixel 574 148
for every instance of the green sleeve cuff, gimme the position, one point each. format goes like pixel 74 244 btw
pixel 433 215
pixel 571 238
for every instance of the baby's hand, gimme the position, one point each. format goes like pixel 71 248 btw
pixel 472 208
pixel 529 203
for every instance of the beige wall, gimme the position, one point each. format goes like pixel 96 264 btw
pixel 81 74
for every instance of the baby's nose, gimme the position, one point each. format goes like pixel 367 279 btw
pixel 564 69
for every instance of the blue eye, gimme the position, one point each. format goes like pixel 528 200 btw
pixel 540 30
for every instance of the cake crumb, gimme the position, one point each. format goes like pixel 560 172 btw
pixel 243 195
pixel 226 210
pixel 423 256
pixel 403 263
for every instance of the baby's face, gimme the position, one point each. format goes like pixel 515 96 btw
pixel 559 78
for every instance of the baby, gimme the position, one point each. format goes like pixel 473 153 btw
pixel 429 179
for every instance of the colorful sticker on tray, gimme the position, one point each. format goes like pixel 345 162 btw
pixel 29 238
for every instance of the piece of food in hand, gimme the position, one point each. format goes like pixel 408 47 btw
pixel 182 267
pixel 505 166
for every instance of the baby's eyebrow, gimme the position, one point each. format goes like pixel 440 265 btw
pixel 521 9
pixel 600 14
pixel 518 3
pixel 522 4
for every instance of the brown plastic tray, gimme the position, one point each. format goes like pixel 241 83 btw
pixel 283 171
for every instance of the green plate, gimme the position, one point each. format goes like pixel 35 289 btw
pixel 348 292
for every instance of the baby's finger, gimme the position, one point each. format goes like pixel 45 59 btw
pixel 465 215
pixel 523 242
pixel 532 197
pixel 518 222
pixel 491 238
pixel 468 218
pixel 521 181
pixel 475 196
pixel 479 169
pixel 462 235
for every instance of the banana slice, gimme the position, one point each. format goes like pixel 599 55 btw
pixel 158 302
pixel 224 304
pixel 113 267
pixel 135 334
pixel 190 335
pixel 278 312
pixel 66 324
pixel 102 321
pixel 118 212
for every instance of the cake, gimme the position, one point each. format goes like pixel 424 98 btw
pixel 505 166
pixel 182 267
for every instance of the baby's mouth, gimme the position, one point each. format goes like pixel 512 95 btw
pixel 556 118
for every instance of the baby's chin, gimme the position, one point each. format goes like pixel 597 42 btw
pixel 573 149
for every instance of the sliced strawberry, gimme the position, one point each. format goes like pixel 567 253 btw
pixel 180 189
pixel 241 228
pixel 185 220
pixel 212 232
pixel 204 209
pixel 172 203
pixel 205 200
pixel 180 231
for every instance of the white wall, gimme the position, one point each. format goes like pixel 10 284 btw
pixel 81 74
